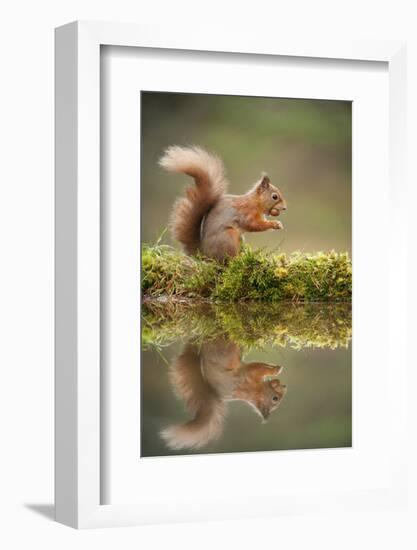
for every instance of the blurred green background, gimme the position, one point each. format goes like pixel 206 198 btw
pixel 304 146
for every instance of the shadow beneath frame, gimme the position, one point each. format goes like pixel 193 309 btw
pixel 45 510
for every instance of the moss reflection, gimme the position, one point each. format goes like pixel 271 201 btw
pixel 250 325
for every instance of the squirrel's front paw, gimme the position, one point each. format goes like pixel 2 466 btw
pixel 278 225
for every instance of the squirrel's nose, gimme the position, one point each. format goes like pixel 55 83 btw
pixel 283 208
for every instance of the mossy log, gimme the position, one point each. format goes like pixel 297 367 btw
pixel 251 276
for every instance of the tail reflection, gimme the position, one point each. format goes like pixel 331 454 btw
pixel 206 378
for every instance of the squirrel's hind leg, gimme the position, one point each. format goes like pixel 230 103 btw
pixel 225 243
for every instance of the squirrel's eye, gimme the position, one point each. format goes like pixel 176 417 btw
pixel 275 398
pixel 274 197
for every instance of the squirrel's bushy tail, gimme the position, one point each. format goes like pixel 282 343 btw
pixel 206 426
pixel 200 399
pixel 210 184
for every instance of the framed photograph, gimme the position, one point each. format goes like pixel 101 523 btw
pixel 227 309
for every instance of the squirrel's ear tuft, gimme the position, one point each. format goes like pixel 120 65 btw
pixel 265 416
pixel 264 183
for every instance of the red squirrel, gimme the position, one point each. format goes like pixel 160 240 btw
pixel 207 219
pixel 207 378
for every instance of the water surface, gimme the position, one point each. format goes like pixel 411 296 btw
pixel 238 378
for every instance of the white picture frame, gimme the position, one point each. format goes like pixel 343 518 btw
pixel 78 293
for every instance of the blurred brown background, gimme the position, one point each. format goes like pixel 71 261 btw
pixel 304 146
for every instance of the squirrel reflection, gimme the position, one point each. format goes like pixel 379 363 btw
pixel 210 376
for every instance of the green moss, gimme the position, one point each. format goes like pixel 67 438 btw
pixel 165 271
pixel 250 276
pixel 251 325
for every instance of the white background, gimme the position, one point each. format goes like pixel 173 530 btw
pixel 26 302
